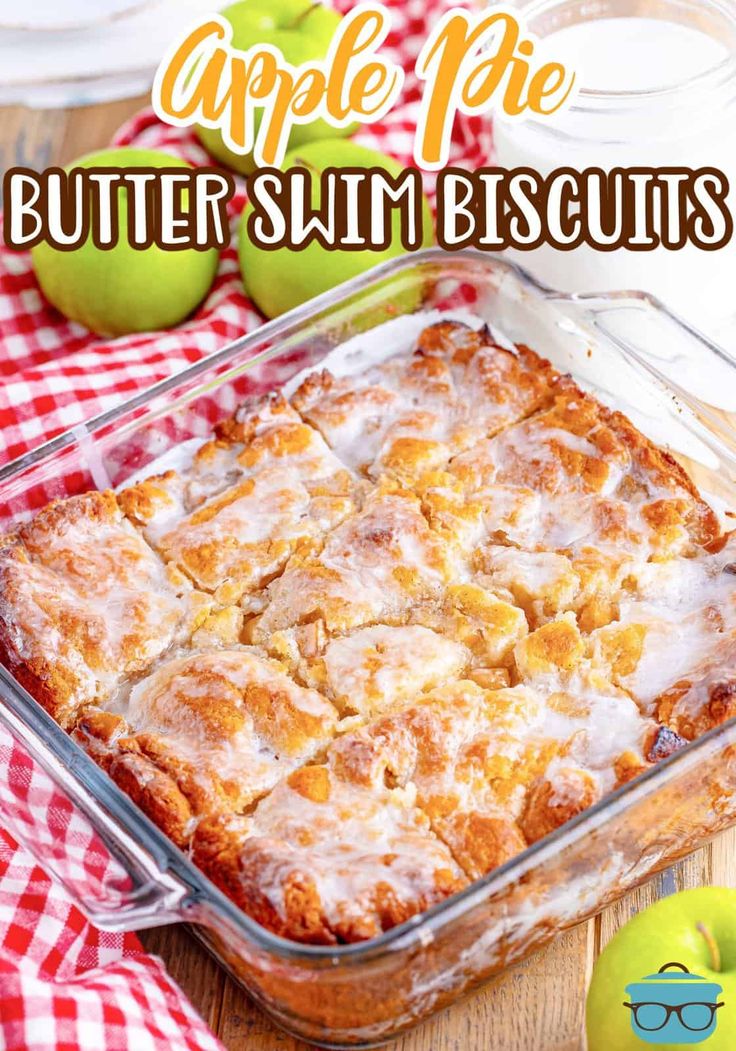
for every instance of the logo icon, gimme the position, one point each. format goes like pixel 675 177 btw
pixel 674 1007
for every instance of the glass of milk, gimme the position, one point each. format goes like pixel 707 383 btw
pixel 658 89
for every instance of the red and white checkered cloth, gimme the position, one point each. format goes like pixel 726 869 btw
pixel 63 983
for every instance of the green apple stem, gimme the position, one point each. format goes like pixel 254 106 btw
pixel 304 15
pixel 308 165
pixel 715 952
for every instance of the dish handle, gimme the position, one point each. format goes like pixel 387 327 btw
pixel 690 371
pixel 119 884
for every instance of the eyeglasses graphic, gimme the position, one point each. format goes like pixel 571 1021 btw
pixel 650 1017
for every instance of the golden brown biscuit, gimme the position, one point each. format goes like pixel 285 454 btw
pixel 373 668
pixel 376 566
pixel 323 860
pixel 456 746
pixel 675 639
pixel 491 767
pixel 84 602
pixel 231 518
pixel 463 632
pixel 552 802
pixel 412 412
pixel 704 697
pixel 219 728
pixel 577 475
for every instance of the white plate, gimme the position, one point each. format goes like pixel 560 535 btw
pixel 114 54
pixel 53 15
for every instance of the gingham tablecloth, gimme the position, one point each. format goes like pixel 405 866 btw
pixel 63 983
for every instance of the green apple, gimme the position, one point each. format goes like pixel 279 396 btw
pixel 123 289
pixel 279 279
pixel 697 928
pixel 302 31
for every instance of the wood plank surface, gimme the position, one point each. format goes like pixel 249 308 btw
pixel 536 1006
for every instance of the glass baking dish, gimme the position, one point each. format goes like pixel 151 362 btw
pixel 677 387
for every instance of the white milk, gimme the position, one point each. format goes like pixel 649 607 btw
pixel 657 54
pixel 666 124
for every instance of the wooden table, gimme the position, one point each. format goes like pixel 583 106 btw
pixel 537 1006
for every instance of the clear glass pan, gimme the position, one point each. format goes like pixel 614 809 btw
pixel 676 386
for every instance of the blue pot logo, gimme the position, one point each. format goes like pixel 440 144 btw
pixel 674 1007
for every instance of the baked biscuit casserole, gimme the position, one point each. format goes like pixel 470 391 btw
pixel 367 644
